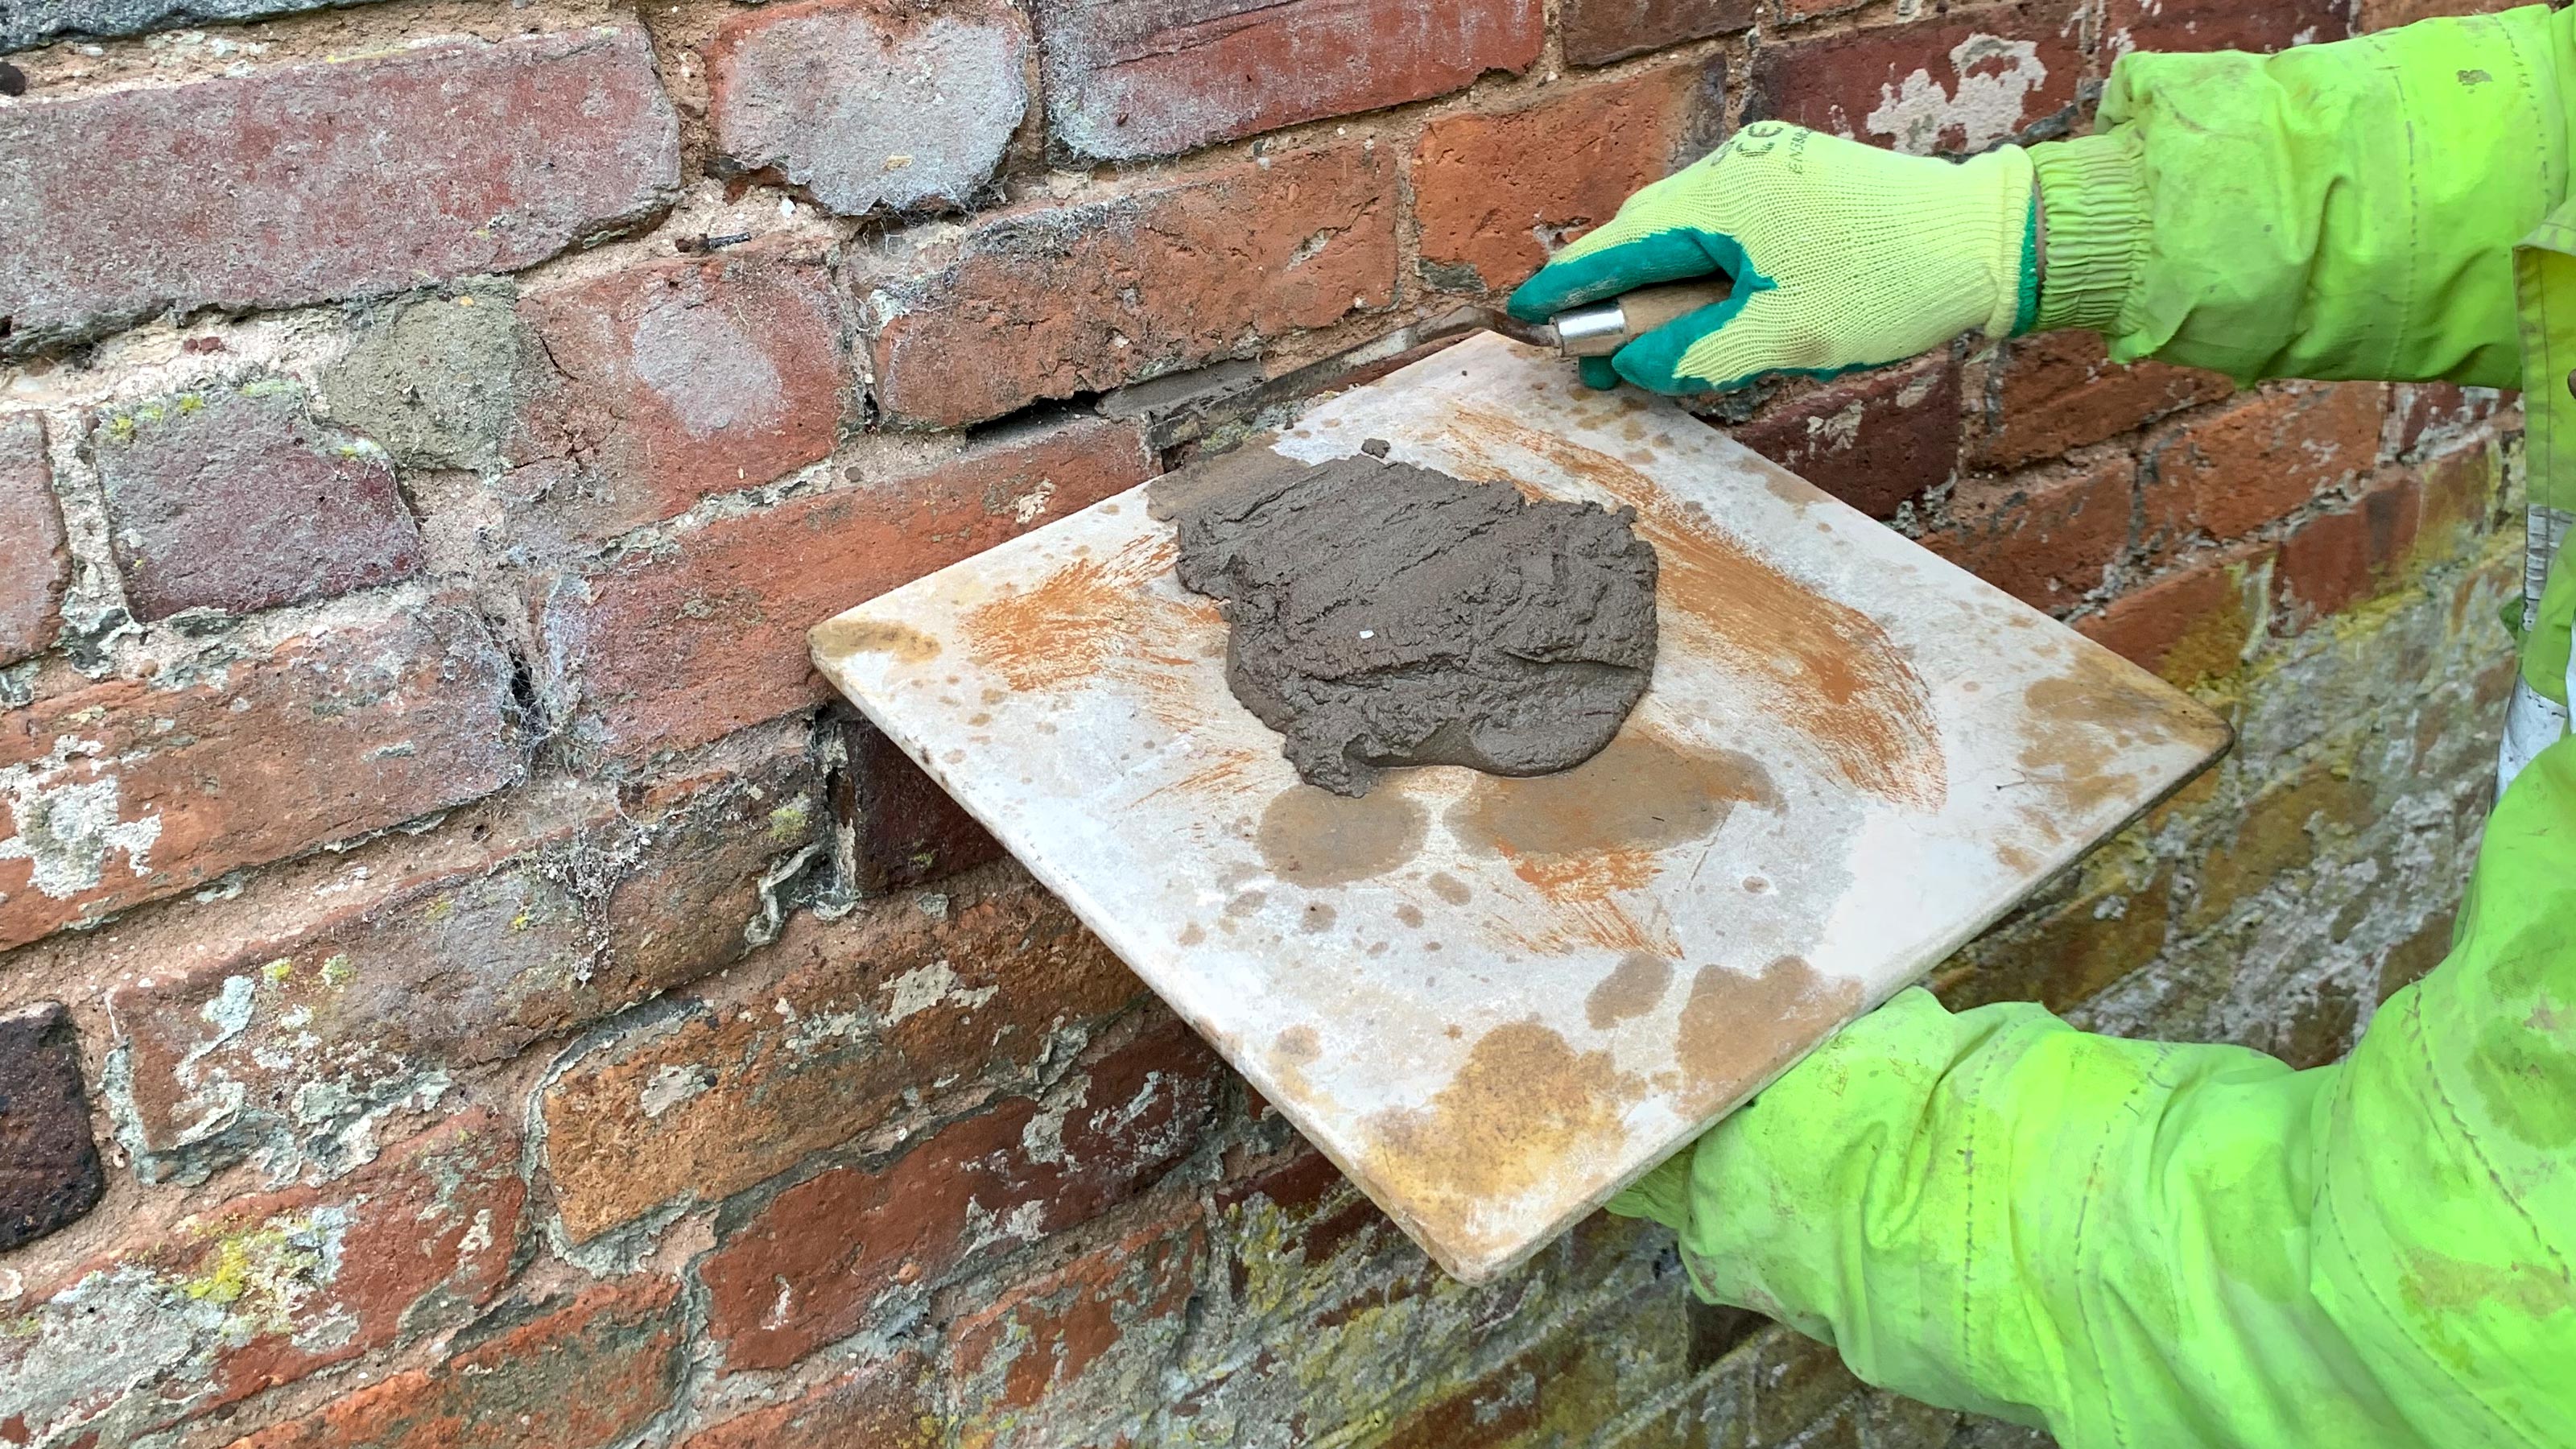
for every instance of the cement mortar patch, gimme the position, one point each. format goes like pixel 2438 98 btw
pixel 433 380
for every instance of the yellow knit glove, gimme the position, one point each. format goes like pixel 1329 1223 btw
pixel 1842 255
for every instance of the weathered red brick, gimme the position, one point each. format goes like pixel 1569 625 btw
pixel 885 1002
pixel 125 791
pixel 233 498
pixel 2167 25
pixel 1158 78
pixel 870 105
pixel 2385 14
pixel 1049 301
pixel 903 829
pixel 1597 32
pixel 1490 186
pixel 49 1175
pixel 266 1290
pixel 2190 626
pixel 328 179
pixel 569 903
pixel 1951 84
pixel 1876 440
pixel 2229 472
pixel 673 646
pixel 805 1270
pixel 34 566
pixel 885 1405
pixel 2338 559
pixel 676 379
pixel 588 1374
pixel 2060 390
pixel 2436 415
pixel 1569 1387
pixel 2045 537
pixel 1125 1300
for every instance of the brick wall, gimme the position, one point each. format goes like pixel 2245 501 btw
pixel 461 983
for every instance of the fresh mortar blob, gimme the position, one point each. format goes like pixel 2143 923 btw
pixel 1384 615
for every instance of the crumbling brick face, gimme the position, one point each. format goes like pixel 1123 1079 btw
pixel 479 989
pixel 34 564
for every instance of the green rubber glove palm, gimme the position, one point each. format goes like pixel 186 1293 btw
pixel 1843 256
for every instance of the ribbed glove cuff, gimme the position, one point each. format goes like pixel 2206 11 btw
pixel 2095 203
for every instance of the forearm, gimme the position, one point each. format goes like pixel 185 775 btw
pixel 1992 1211
pixel 2334 211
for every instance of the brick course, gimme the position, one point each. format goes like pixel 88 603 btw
pixel 679 644
pixel 1047 302
pixel 34 565
pixel 359 178
pixel 1150 80
pixel 126 791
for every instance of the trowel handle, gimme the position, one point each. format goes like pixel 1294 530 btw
pixel 1601 328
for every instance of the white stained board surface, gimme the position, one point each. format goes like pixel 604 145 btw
pixel 1495 1002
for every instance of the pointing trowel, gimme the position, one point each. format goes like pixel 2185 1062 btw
pixel 1598 329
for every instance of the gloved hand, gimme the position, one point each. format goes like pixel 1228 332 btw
pixel 1843 256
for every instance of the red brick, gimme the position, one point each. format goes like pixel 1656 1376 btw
pixel 2433 415
pixel 2338 559
pixel 2045 537
pixel 355 176
pixel 1050 301
pixel 1597 32
pixel 49 1176
pixel 1154 79
pixel 2229 472
pixel 233 498
pixel 2170 25
pixel 882 1406
pixel 1490 188
pixel 903 829
pixel 2190 626
pixel 1125 1301
pixel 2060 390
pixel 871 105
pixel 677 379
pixel 34 566
pixel 1570 1387
pixel 807 1268
pixel 266 1290
pixel 570 904
pixel 1949 85
pixel 2385 14
pixel 591 1373
pixel 123 791
pixel 887 1001
pixel 1876 440
pixel 677 645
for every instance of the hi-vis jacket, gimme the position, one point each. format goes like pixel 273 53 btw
pixel 2155 1245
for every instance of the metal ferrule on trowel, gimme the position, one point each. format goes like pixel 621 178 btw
pixel 1598 329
